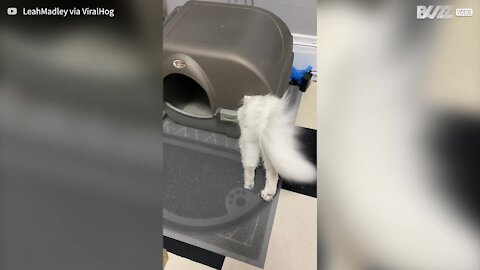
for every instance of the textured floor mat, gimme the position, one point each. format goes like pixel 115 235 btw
pixel 206 204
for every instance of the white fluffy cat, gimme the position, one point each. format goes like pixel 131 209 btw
pixel 379 197
pixel 267 131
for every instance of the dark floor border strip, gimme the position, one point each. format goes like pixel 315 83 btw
pixel 308 143
pixel 308 190
pixel 193 253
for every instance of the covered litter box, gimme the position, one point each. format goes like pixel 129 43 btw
pixel 216 53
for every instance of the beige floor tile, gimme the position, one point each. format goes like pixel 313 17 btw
pixel 293 243
pixel 307 112
pixel 179 263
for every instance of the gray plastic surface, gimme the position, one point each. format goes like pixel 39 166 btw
pixel 213 123
pixel 214 54
pixel 204 136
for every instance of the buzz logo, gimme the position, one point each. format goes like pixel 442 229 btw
pixel 434 12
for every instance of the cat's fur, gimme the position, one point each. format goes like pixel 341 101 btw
pixel 267 132
pixel 378 200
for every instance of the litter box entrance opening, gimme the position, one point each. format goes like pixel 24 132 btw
pixel 187 95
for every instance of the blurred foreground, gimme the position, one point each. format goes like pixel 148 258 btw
pixel 398 143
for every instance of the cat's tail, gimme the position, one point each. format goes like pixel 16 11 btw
pixel 279 142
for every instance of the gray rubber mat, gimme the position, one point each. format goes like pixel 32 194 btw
pixel 206 204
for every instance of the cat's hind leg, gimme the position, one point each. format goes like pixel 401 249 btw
pixel 248 177
pixel 271 176
pixel 250 157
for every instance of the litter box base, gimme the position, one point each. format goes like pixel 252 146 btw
pixel 223 121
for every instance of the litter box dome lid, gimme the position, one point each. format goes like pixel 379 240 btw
pixel 248 32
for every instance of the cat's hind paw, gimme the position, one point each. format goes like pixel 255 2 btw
pixel 268 197
pixel 248 186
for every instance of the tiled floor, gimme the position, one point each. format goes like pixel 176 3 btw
pixel 293 243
